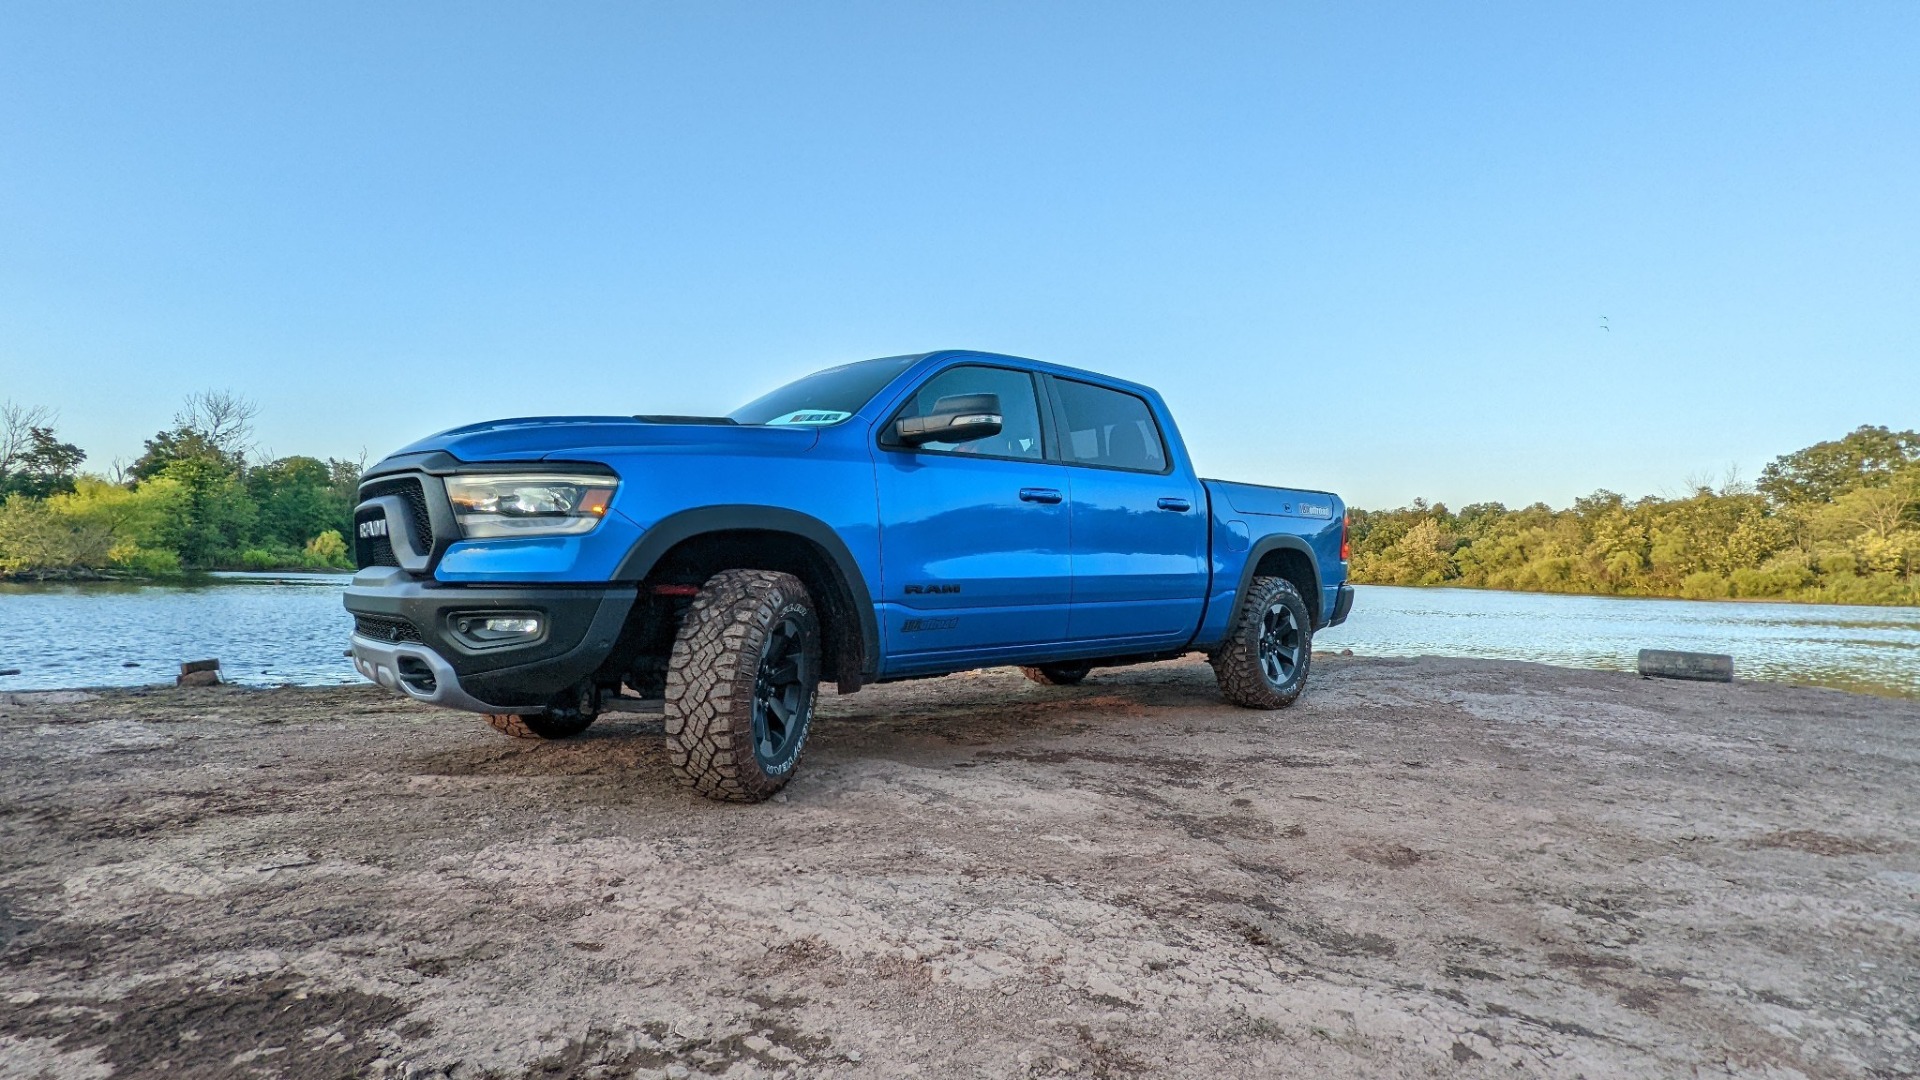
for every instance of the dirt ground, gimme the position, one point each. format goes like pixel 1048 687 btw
pixel 1426 868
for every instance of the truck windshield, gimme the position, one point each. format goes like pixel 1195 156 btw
pixel 824 397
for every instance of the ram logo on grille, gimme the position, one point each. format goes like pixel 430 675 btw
pixel 373 528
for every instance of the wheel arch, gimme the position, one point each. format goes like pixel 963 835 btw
pixel 782 539
pixel 1291 558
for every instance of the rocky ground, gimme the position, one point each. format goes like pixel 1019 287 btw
pixel 1427 867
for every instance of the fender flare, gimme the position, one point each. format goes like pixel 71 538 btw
pixel 1266 546
pixel 677 528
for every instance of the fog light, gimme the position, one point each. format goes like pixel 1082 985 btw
pixel 481 629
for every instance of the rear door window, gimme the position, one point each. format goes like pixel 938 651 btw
pixel 1109 428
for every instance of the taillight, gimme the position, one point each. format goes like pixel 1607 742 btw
pixel 1346 542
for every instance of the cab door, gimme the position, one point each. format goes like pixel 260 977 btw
pixel 974 540
pixel 1139 524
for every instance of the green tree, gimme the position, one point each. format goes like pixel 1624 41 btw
pixel 298 499
pixel 181 444
pixel 205 454
pixel 137 522
pixel 329 549
pixel 217 515
pixel 212 426
pixel 34 539
pixel 1824 470
pixel 1876 524
pixel 46 467
pixel 33 460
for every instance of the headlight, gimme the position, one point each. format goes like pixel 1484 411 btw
pixel 531 504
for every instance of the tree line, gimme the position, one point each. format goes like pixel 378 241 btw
pixel 1837 522
pixel 200 497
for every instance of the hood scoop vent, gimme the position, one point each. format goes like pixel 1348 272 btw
pixel 714 421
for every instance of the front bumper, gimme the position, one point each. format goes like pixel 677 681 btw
pixel 420 673
pixel 404 638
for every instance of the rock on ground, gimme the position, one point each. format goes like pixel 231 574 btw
pixel 1426 868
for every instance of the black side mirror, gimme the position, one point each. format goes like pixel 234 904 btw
pixel 956 418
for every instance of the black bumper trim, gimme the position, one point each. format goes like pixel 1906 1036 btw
pixel 1342 604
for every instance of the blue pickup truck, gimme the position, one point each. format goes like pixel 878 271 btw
pixel 889 519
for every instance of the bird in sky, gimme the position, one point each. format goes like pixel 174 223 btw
pixel 1604 326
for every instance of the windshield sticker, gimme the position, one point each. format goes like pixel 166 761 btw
pixel 810 416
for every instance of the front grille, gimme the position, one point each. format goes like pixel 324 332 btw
pixel 378 550
pixel 374 551
pixel 386 628
pixel 408 488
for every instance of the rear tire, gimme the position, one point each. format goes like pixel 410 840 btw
pixel 1057 674
pixel 1263 663
pixel 562 720
pixel 741 684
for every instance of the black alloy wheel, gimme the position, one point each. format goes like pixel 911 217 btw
pixel 1280 644
pixel 782 693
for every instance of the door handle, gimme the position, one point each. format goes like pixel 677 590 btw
pixel 1179 506
pixel 1049 496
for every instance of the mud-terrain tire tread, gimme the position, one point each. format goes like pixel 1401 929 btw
pixel 1058 674
pixel 708 713
pixel 1236 664
pixel 541 725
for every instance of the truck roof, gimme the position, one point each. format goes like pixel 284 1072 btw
pixel 1042 365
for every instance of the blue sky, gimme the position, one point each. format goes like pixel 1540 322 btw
pixel 1367 248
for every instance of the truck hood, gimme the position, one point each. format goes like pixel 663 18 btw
pixel 586 438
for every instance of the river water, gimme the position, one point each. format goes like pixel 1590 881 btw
pixel 266 630
pixel 290 628
pixel 1871 649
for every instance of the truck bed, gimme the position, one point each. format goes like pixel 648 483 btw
pixel 1268 501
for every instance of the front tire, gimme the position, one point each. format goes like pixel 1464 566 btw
pixel 741 684
pixel 1263 663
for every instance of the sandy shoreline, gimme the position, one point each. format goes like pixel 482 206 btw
pixel 1429 867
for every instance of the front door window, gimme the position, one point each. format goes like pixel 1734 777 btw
pixel 1019 436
